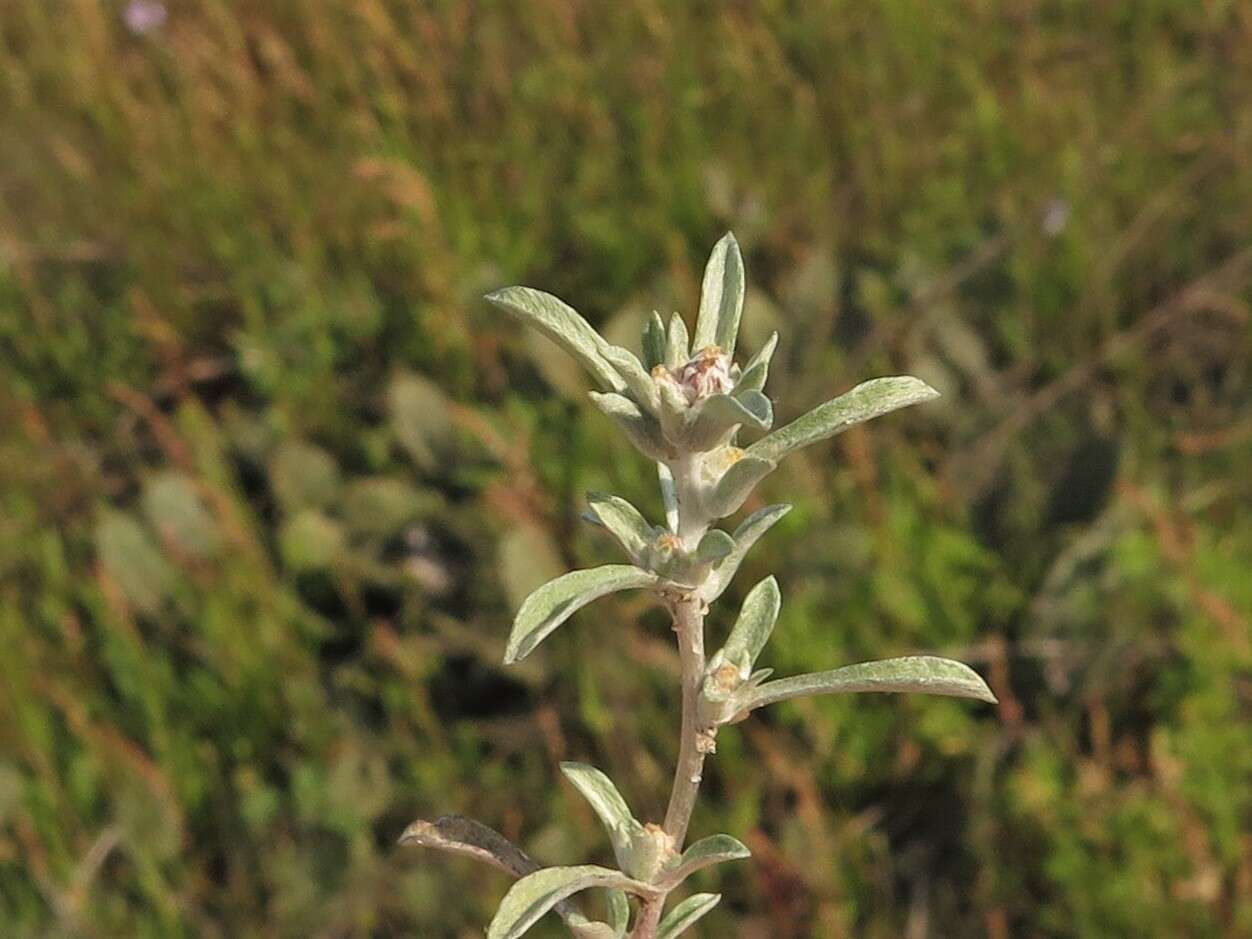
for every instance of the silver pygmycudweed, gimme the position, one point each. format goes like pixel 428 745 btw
pixel 682 404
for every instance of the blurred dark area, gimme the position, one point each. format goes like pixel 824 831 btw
pixel 273 478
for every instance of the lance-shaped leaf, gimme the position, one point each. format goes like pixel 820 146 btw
pixel 683 916
pixel 460 835
pixel 563 325
pixel 619 912
pixel 713 419
pixel 537 893
pixel 754 625
pixel 553 603
pixel 704 853
pixel 864 402
pixel 926 674
pixel 746 535
pixel 715 546
pixel 638 382
pixel 640 429
pixel 623 828
pixel 653 342
pixel 624 522
pixel 756 372
pixel 736 484
pixel 583 928
pixel 677 347
pixel 721 297
pixel 672 410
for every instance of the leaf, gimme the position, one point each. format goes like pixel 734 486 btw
pixel 710 421
pixel 619 912
pixel 681 917
pixel 756 372
pixel 677 348
pixel 537 893
pixel 310 541
pixel 461 835
pixel 302 474
pixel 736 485
pixel 643 431
pixel 715 546
pixel 614 813
pixel 721 297
pixel 128 555
pixel 638 382
pixel 864 402
pixel 746 535
pixel 926 674
pixel 754 625
pixel 553 603
pixel 706 852
pixel 624 522
pixel 653 344
pixel 561 323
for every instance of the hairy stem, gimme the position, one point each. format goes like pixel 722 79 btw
pixel 693 745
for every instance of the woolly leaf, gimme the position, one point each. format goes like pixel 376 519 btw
pixel 736 485
pixel 609 805
pixel 745 536
pixel 721 297
pixel 756 372
pixel 653 344
pixel 624 522
pixel 537 893
pixel 461 835
pixel 683 916
pixel 553 603
pixel 704 853
pixel 925 674
pixel 864 402
pixel 563 325
pixel 677 347
pixel 640 429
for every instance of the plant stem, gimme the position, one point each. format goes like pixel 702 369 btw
pixel 689 626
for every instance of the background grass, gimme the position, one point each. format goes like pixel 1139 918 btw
pixel 273 478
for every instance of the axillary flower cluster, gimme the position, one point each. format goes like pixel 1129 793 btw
pixel 682 403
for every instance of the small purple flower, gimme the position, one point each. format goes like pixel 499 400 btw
pixel 144 16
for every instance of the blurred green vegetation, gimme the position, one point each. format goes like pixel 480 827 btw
pixel 273 478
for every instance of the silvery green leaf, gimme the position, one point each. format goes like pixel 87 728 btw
pixel 715 546
pixel 639 383
pixel 461 835
pixel 754 625
pixel 677 347
pixel 926 674
pixel 653 344
pixel 756 372
pixel 537 893
pixel 712 420
pixel 736 484
pixel 625 523
pixel 554 603
pixel 669 495
pixel 864 402
pixel 619 912
pixel 746 535
pixel 583 928
pixel 563 325
pixel 624 830
pixel 672 411
pixel 640 429
pixel 704 853
pixel 685 915
pixel 721 297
